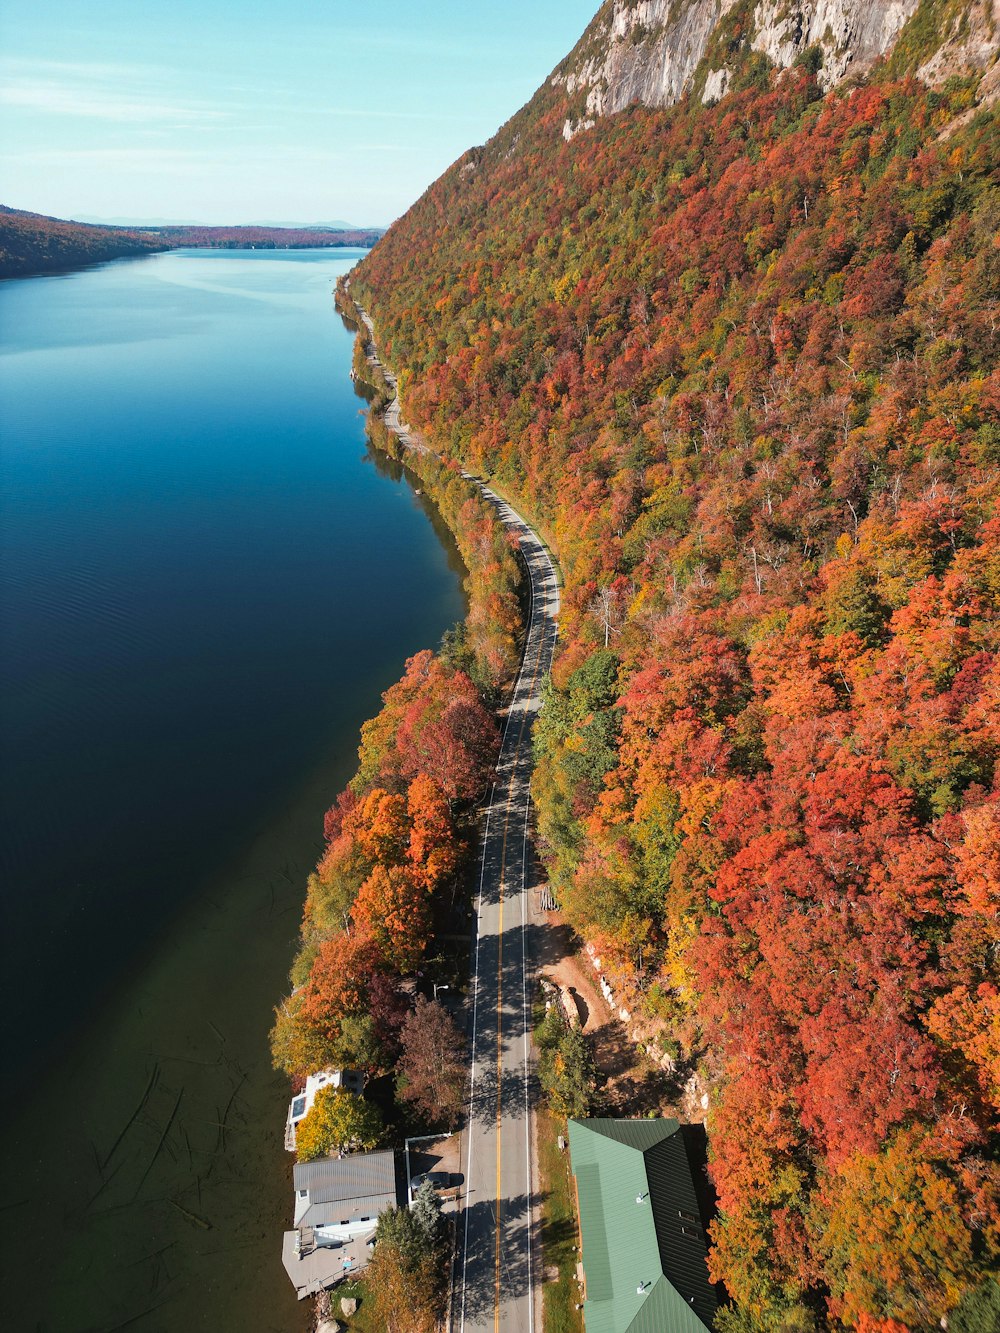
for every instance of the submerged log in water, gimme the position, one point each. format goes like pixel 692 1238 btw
pixel 154 1075
pixel 159 1146
pixel 193 1218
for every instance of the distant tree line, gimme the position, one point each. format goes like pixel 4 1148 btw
pixel 31 243
pixel 265 238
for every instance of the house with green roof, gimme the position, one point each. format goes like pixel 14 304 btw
pixel 641 1225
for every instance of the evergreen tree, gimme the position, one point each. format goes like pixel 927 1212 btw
pixel 426 1213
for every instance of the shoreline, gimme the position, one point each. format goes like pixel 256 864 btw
pixel 452 490
pixel 515 524
pixel 150 1124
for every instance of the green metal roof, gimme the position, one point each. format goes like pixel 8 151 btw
pixel 637 1220
pixel 640 1134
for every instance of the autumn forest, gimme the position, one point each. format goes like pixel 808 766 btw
pixel 739 364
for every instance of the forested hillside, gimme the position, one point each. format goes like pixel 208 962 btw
pixel 32 243
pixel 740 362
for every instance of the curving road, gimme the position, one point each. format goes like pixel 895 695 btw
pixel 495 1263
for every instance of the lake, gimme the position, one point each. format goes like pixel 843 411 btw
pixel 206 581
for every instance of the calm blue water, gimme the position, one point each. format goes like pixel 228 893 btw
pixel 204 586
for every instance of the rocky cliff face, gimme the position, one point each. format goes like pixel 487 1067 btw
pixel 654 51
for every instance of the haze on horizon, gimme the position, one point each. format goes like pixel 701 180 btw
pixel 205 112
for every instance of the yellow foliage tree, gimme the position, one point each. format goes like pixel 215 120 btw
pixel 894 1241
pixel 337 1121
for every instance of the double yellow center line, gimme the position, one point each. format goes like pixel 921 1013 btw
pixel 503 868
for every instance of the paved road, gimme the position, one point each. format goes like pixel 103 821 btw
pixel 392 412
pixel 497 1264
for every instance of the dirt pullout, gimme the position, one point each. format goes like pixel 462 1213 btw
pixel 629 1083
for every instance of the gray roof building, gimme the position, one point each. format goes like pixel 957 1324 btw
pixel 337 1205
pixel 342 1190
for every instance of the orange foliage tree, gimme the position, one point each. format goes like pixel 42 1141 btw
pixel 741 363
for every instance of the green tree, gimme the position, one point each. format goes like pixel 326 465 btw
pixel 565 1069
pixel 853 605
pixel 337 1121
pixel 978 1311
pixel 550 1030
pixel 426 1213
pixel 359 1045
pixel 401 1228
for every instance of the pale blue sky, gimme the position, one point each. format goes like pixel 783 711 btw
pixel 247 110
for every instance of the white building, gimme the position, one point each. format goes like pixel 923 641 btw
pixel 351 1080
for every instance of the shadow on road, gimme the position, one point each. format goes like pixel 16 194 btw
pixel 517 1233
pixel 510 1084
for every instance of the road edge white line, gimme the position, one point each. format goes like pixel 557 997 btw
pixel 479 908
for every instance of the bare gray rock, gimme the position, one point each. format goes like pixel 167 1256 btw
pixel 651 51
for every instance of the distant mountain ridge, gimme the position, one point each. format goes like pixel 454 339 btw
pixel 261 237
pixel 338 224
